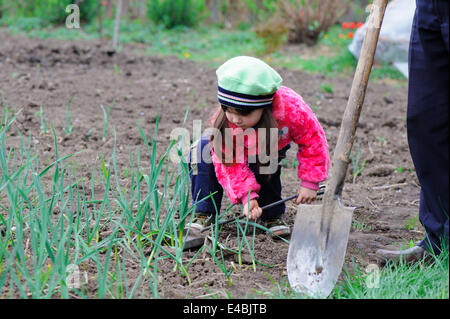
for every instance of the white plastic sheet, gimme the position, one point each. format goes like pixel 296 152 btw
pixel 393 42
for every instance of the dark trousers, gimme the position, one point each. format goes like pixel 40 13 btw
pixel 428 117
pixel 204 182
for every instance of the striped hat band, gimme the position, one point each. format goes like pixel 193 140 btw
pixel 243 101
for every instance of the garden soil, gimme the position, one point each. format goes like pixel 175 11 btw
pixel 35 73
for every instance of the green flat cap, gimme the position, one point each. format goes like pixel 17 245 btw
pixel 247 82
pixel 248 75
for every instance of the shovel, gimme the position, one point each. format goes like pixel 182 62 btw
pixel 320 235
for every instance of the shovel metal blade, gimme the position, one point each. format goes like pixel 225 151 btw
pixel 314 269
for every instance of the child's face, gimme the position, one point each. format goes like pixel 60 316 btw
pixel 244 121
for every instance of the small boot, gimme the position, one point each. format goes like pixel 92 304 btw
pixel 277 227
pixel 202 220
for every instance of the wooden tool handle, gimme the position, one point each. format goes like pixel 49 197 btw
pixel 341 157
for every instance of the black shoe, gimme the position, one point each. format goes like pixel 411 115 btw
pixel 410 255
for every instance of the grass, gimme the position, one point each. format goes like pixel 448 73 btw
pixel 69 126
pixel 422 280
pixel 42 120
pixel 106 115
pixel 49 224
pixel 356 165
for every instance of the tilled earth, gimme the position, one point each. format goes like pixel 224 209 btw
pixel 47 73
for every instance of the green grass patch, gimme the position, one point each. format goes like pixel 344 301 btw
pixel 204 45
pixel 422 280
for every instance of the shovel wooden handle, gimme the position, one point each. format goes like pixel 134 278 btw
pixel 341 157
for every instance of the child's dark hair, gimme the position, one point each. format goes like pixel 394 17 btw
pixel 267 122
pixel 239 111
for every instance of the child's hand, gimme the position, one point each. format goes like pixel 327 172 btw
pixel 254 211
pixel 305 196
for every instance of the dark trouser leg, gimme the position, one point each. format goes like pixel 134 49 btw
pixel 270 189
pixel 204 181
pixel 427 116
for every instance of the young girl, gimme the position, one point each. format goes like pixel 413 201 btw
pixel 252 104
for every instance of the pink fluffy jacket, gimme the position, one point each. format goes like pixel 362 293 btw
pixel 296 122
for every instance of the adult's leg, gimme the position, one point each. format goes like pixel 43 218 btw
pixel 427 124
pixel 427 116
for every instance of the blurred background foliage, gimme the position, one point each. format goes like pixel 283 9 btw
pixel 210 30
pixel 303 20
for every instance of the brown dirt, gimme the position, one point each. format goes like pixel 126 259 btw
pixel 47 73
